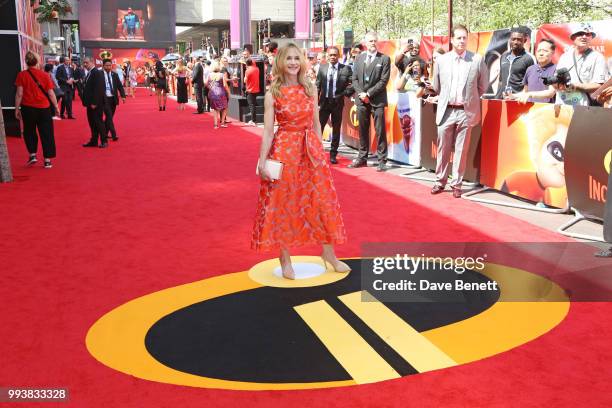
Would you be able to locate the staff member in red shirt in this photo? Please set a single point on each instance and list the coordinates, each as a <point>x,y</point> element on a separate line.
<point>251,81</point>
<point>35,97</point>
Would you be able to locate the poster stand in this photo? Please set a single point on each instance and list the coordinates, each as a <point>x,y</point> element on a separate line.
<point>578,217</point>
<point>533,207</point>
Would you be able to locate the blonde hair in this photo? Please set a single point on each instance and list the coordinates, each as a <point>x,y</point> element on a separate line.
<point>278,71</point>
<point>215,66</point>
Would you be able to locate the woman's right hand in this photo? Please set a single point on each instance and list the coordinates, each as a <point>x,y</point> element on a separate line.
<point>263,173</point>
<point>18,114</point>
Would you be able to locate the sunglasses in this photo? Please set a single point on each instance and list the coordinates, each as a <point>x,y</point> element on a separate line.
<point>582,34</point>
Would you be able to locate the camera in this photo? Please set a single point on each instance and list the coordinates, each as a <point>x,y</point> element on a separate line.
<point>561,76</point>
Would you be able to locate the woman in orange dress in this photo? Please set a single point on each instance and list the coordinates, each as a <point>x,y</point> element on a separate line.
<point>302,206</point>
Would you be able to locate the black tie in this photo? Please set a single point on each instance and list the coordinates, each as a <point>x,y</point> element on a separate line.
<point>330,84</point>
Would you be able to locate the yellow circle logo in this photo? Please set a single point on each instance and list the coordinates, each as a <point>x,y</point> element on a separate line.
<point>106,54</point>
<point>607,160</point>
<point>353,116</point>
<point>241,332</point>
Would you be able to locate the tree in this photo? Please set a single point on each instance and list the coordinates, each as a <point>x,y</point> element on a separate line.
<point>404,18</point>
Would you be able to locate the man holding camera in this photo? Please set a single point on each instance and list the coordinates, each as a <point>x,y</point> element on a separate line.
<point>580,70</point>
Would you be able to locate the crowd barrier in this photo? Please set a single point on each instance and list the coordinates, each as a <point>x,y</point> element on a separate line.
<point>555,155</point>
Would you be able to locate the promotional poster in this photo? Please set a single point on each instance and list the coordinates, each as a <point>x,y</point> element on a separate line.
<point>523,150</point>
<point>589,154</point>
<point>138,58</point>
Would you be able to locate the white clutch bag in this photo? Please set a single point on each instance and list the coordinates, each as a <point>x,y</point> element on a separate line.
<point>273,167</point>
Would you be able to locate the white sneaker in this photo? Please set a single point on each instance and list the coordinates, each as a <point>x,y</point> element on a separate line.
<point>251,123</point>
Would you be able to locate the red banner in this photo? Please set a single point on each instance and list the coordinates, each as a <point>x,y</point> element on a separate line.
<point>560,34</point>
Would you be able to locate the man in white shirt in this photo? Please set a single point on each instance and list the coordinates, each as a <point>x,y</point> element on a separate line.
<point>587,69</point>
<point>460,79</point>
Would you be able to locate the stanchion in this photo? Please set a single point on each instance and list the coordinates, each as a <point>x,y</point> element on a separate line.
<point>6,175</point>
<point>578,217</point>
<point>533,207</point>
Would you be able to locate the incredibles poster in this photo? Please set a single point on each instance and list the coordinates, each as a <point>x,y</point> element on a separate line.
<point>402,118</point>
<point>138,57</point>
<point>587,165</point>
<point>523,150</point>
<point>405,145</point>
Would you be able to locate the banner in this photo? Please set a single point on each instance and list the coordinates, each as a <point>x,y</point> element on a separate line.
<point>302,19</point>
<point>138,57</point>
<point>240,23</point>
<point>587,162</point>
<point>560,34</point>
<point>404,149</point>
<point>490,44</point>
<point>405,145</point>
<point>523,150</point>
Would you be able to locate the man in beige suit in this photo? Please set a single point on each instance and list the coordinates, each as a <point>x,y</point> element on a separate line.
<point>460,79</point>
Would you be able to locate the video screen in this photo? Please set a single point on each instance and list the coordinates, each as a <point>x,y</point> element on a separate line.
<point>137,21</point>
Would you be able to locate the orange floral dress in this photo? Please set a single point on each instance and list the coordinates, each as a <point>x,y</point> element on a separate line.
<point>302,207</point>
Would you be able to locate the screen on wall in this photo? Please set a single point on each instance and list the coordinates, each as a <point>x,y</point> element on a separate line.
<point>128,23</point>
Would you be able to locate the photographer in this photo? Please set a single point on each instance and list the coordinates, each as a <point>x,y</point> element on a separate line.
<point>580,70</point>
<point>415,78</point>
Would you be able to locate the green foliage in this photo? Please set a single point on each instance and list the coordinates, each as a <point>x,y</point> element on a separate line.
<point>405,18</point>
<point>49,10</point>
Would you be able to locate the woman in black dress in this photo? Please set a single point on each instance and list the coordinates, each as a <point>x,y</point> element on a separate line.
<point>181,84</point>
<point>161,85</point>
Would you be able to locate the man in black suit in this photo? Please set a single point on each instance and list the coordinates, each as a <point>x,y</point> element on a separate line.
<point>65,79</point>
<point>93,100</point>
<point>333,84</point>
<point>112,86</point>
<point>197,78</point>
<point>370,77</point>
<point>79,77</point>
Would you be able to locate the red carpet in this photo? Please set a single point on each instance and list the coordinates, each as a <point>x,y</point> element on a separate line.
<point>173,202</point>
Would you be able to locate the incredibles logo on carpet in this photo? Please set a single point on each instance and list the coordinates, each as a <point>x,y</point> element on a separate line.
<point>231,332</point>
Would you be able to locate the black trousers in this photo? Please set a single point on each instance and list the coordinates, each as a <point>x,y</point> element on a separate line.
<point>79,89</point>
<point>608,211</point>
<point>252,102</point>
<point>332,107</point>
<point>109,114</point>
<point>40,119</point>
<point>96,124</point>
<point>364,112</point>
<point>205,99</point>
<point>199,94</point>
<point>67,101</point>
